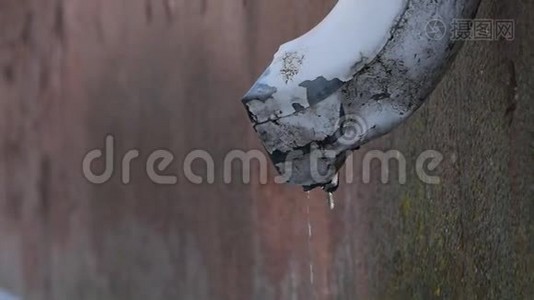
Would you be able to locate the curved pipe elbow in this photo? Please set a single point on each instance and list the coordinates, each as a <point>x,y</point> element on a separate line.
<point>344,84</point>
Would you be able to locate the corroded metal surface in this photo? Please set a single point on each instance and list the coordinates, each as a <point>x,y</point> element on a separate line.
<point>307,126</point>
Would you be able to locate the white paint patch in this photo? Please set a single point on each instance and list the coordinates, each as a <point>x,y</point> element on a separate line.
<point>354,30</point>
<point>350,37</point>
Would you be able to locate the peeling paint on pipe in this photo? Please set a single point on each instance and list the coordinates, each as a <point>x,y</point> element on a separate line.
<point>356,76</point>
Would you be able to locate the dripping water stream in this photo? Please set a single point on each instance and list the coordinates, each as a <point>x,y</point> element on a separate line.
<point>310,236</point>
<point>331,204</point>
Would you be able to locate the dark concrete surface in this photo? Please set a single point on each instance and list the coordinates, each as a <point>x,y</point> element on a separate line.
<point>169,74</point>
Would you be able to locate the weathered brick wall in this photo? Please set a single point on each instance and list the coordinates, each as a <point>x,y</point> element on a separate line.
<point>169,74</point>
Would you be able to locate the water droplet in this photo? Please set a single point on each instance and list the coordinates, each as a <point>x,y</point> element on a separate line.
<point>331,202</point>
<point>310,235</point>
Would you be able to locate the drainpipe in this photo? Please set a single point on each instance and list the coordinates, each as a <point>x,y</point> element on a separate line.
<point>366,68</point>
